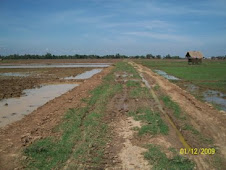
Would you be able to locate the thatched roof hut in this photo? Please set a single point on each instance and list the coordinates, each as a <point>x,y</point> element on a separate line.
<point>194,54</point>
<point>194,57</point>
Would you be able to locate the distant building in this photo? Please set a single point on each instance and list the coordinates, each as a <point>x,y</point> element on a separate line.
<point>194,57</point>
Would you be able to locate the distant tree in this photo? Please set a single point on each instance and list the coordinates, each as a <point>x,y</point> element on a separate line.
<point>168,56</point>
<point>158,56</point>
<point>48,56</point>
<point>150,56</point>
<point>175,57</point>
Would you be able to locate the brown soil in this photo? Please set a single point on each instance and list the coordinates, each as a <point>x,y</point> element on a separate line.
<point>14,86</point>
<point>41,122</point>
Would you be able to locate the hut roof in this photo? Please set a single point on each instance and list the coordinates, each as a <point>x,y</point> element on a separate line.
<point>194,54</point>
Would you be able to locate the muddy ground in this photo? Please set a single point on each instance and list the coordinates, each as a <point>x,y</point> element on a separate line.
<point>126,148</point>
<point>14,86</point>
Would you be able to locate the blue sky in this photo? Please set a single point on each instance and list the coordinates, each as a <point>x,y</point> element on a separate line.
<point>130,27</point>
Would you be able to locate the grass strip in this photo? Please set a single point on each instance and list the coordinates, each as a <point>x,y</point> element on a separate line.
<point>125,67</point>
<point>172,105</point>
<point>153,122</point>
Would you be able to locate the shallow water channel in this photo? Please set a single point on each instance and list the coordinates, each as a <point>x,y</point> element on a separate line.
<point>210,96</point>
<point>14,109</point>
<point>16,74</point>
<point>85,75</point>
<point>216,97</point>
<point>164,74</point>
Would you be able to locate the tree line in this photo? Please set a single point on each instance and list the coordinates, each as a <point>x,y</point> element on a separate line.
<point>79,56</point>
<point>218,57</point>
<point>92,56</point>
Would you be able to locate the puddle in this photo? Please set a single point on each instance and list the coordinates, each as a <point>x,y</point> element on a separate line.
<point>17,108</point>
<point>124,75</point>
<point>210,96</point>
<point>85,75</point>
<point>191,87</point>
<point>164,74</point>
<point>16,74</point>
<point>216,97</point>
<point>145,81</point>
<point>71,65</point>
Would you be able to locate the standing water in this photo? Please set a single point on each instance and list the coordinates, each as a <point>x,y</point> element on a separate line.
<point>216,97</point>
<point>14,109</point>
<point>17,74</point>
<point>85,75</point>
<point>164,74</point>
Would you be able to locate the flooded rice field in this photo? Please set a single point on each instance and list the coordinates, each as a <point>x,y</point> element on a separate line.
<point>15,74</point>
<point>85,75</point>
<point>24,88</point>
<point>211,96</point>
<point>215,97</point>
<point>14,109</point>
<point>13,86</point>
<point>164,74</point>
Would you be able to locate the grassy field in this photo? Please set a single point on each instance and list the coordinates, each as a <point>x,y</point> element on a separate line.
<point>208,75</point>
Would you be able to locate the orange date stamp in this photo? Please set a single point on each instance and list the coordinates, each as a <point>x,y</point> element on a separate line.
<point>197,151</point>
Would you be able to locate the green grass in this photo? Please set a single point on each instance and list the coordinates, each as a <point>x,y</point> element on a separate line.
<point>173,106</point>
<point>191,128</point>
<point>139,92</point>
<point>156,87</point>
<point>159,160</point>
<point>125,67</point>
<point>132,83</point>
<point>210,74</point>
<point>153,123</point>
